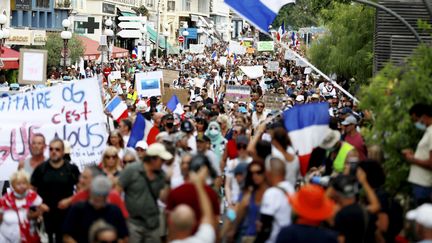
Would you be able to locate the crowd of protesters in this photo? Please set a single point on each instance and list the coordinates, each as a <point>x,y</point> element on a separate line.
<point>223,171</point>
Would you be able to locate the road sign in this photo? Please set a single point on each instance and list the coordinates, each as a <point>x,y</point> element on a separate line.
<point>132,18</point>
<point>130,25</point>
<point>136,34</point>
<point>181,39</point>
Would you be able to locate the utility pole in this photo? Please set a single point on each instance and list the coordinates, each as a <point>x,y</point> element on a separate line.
<point>157,29</point>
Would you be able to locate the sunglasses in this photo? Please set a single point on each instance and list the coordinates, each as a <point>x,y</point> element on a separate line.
<point>110,156</point>
<point>260,106</point>
<point>242,105</point>
<point>128,161</point>
<point>54,149</point>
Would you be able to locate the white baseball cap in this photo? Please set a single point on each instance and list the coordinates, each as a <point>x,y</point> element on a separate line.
<point>421,215</point>
<point>159,150</point>
<point>142,144</point>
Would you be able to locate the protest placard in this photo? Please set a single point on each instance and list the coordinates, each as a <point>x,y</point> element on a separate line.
<point>265,46</point>
<point>149,84</point>
<point>307,70</point>
<point>115,75</point>
<point>169,75</point>
<point>182,95</point>
<point>274,101</point>
<point>33,66</point>
<point>252,71</point>
<point>289,55</point>
<point>196,48</point>
<point>70,112</point>
<point>223,60</point>
<point>236,48</point>
<point>238,93</point>
<point>273,66</point>
<point>300,63</point>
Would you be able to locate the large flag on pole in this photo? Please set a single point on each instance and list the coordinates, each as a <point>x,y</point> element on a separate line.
<point>281,31</point>
<point>138,131</point>
<point>261,13</point>
<point>307,126</point>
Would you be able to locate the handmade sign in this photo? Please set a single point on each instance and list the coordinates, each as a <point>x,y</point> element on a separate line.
<point>182,95</point>
<point>169,76</point>
<point>273,66</point>
<point>115,75</point>
<point>149,84</point>
<point>237,93</point>
<point>274,101</point>
<point>196,48</point>
<point>252,71</point>
<point>265,46</point>
<point>33,66</point>
<point>289,55</point>
<point>70,112</point>
<point>236,48</point>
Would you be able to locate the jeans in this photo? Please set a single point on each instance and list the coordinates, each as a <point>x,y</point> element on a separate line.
<point>421,194</point>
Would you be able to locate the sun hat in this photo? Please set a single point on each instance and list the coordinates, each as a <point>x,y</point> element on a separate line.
<point>331,139</point>
<point>159,150</point>
<point>421,215</point>
<point>310,202</point>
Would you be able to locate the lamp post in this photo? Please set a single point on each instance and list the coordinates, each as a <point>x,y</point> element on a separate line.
<point>166,35</point>
<point>4,33</point>
<point>66,35</point>
<point>109,34</point>
<point>185,34</point>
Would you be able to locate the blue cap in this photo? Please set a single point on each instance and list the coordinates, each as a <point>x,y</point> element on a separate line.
<point>242,109</point>
<point>346,110</point>
<point>240,169</point>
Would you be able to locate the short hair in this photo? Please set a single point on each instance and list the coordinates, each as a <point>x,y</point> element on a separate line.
<point>40,135</point>
<point>100,186</point>
<point>275,165</point>
<point>95,170</point>
<point>127,123</point>
<point>204,89</point>
<point>420,109</point>
<point>58,140</point>
<point>98,227</point>
<point>20,175</point>
<point>260,101</point>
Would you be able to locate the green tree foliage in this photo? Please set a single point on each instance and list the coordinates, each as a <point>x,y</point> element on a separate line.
<point>347,47</point>
<point>389,96</point>
<point>54,45</point>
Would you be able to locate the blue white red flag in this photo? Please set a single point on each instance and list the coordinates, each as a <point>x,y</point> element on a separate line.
<point>175,106</point>
<point>214,56</point>
<point>135,53</point>
<point>118,109</point>
<point>307,126</point>
<point>138,131</point>
<point>260,13</point>
<point>281,31</point>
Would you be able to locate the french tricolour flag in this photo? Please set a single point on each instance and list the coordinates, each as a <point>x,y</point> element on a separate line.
<point>281,32</point>
<point>307,126</point>
<point>214,56</point>
<point>117,108</point>
<point>137,131</point>
<point>260,13</point>
<point>175,106</point>
<point>135,53</point>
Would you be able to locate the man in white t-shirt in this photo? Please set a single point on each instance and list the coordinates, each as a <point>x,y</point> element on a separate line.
<point>182,218</point>
<point>275,209</point>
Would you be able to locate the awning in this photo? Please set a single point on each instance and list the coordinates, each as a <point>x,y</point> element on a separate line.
<point>153,34</point>
<point>9,58</point>
<point>91,52</point>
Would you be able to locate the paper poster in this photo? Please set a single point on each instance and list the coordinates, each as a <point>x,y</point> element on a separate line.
<point>182,95</point>
<point>169,76</point>
<point>196,49</point>
<point>300,63</point>
<point>265,46</point>
<point>70,112</point>
<point>33,66</point>
<point>253,71</point>
<point>289,55</point>
<point>236,48</point>
<point>237,93</point>
<point>148,84</point>
<point>115,75</point>
<point>274,101</point>
<point>273,66</point>
<point>307,70</point>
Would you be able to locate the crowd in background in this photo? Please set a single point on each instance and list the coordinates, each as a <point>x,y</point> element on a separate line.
<point>223,171</point>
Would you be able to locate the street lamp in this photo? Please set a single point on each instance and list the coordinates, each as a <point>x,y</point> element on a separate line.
<point>66,35</point>
<point>185,34</point>
<point>4,32</point>
<point>109,34</point>
<point>166,35</point>
<point>143,31</point>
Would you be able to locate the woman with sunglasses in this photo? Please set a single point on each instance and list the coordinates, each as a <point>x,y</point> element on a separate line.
<point>111,163</point>
<point>247,211</point>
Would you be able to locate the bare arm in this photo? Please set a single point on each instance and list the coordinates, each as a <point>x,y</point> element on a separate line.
<point>68,239</point>
<point>374,205</point>
<point>205,204</point>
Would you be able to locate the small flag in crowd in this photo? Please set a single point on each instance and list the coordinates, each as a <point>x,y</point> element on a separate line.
<point>294,38</point>
<point>307,126</point>
<point>137,132</point>
<point>260,13</point>
<point>235,58</point>
<point>281,31</point>
<point>214,56</point>
<point>175,106</point>
<point>135,53</point>
<point>117,108</point>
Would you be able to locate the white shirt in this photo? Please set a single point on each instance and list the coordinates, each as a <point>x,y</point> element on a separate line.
<point>257,120</point>
<point>205,234</point>
<point>292,168</point>
<point>275,203</point>
<point>419,175</point>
